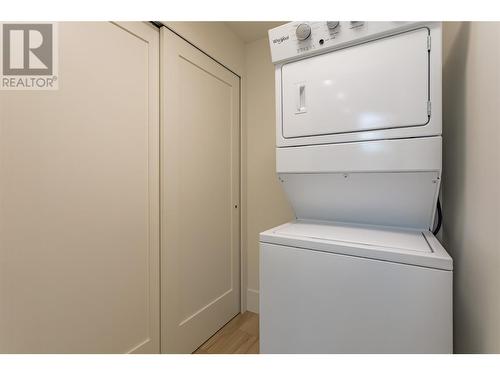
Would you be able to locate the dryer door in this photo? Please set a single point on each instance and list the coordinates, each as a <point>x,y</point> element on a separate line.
<point>381,84</point>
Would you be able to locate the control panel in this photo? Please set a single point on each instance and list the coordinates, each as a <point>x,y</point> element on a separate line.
<point>298,39</point>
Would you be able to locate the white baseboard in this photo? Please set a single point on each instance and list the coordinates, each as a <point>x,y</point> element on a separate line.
<point>253,300</point>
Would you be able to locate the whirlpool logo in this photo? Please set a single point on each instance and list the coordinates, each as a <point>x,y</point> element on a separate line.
<point>29,56</point>
<point>281,40</point>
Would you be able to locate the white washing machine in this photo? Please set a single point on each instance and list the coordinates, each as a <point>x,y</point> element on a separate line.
<point>358,152</point>
<point>334,288</point>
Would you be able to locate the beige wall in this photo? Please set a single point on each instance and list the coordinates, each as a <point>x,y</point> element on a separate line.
<point>471,225</point>
<point>267,205</point>
<point>216,40</point>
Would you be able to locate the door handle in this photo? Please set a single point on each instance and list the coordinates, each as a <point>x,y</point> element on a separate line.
<point>301,98</point>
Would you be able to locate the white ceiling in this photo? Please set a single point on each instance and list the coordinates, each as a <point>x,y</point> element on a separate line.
<point>252,31</point>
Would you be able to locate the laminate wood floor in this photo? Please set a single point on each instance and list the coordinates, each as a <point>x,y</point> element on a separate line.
<point>239,336</point>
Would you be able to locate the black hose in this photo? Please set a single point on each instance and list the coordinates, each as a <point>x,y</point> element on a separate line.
<point>440,218</point>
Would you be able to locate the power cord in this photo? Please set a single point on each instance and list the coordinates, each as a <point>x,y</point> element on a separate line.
<point>440,218</point>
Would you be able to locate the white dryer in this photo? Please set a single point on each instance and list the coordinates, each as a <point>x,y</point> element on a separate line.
<point>358,152</point>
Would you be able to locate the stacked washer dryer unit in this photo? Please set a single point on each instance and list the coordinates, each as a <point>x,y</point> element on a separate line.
<point>358,152</point>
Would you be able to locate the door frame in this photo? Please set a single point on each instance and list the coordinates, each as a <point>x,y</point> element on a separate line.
<point>242,167</point>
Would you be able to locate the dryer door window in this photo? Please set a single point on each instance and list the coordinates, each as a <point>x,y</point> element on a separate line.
<point>380,84</point>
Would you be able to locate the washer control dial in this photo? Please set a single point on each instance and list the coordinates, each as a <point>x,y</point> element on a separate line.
<point>303,31</point>
<point>332,24</point>
<point>357,23</point>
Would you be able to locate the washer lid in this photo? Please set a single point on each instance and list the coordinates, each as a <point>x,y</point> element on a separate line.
<point>389,244</point>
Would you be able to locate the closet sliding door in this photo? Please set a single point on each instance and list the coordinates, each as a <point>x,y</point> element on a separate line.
<point>200,184</point>
<point>79,216</point>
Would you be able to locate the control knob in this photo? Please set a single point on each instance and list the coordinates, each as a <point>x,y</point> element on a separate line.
<point>303,31</point>
<point>357,23</point>
<point>332,24</point>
